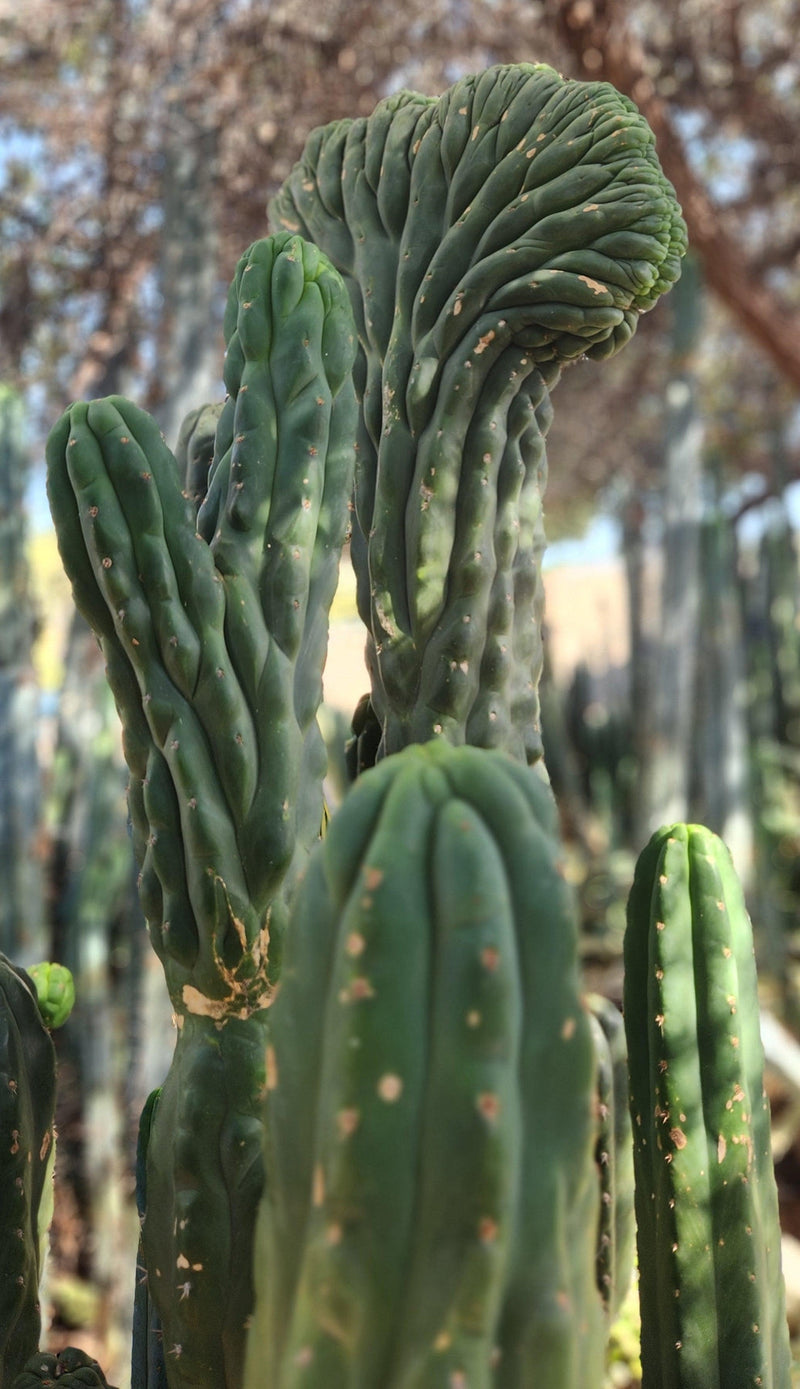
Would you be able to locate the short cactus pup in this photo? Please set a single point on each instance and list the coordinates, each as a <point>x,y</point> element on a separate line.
<point>711,1288</point>
<point>213,623</point>
<point>487,238</point>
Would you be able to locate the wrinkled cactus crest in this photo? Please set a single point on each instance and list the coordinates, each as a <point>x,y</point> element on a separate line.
<point>487,237</point>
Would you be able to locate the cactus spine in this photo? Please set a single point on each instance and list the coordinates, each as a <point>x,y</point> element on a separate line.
<point>428,1214</point>
<point>711,1289</point>
<point>487,237</point>
<point>211,606</point>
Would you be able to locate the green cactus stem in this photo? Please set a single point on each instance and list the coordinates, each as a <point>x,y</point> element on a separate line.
<point>27,1150</point>
<point>430,1200</point>
<point>613,1155</point>
<point>214,630</point>
<point>194,450</point>
<point>211,606</point>
<point>711,1288</point>
<point>487,238</point>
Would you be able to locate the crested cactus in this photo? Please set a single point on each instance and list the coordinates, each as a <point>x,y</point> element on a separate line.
<point>428,1213</point>
<point>428,1068</point>
<point>711,1289</point>
<point>27,1149</point>
<point>487,238</point>
<point>212,611</point>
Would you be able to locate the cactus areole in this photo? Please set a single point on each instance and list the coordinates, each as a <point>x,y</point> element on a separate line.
<point>487,237</point>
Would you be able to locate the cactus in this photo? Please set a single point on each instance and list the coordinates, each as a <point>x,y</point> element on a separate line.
<point>27,1148</point>
<point>428,1210</point>
<point>613,1155</point>
<point>487,237</point>
<point>213,623</point>
<point>711,1289</point>
<point>69,1369</point>
<point>214,633</point>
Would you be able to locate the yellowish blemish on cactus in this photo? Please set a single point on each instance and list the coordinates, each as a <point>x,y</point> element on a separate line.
<point>357,990</point>
<point>443,1341</point>
<point>488,1104</point>
<point>318,1186</point>
<point>594,285</point>
<point>347,1121</point>
<point>355,944</point>
<point>390,1088</point>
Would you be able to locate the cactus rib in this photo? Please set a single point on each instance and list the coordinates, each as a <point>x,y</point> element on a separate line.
<point>711,1289</point>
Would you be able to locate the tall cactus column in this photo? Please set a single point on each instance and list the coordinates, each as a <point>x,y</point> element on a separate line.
<point>711,1289</point>
<point>487,238</point>
<point>213,623</point>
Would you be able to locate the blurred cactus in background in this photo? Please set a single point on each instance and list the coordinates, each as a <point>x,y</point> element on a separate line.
<point>22,925</point>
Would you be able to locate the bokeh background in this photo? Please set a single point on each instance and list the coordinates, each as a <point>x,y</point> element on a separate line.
<point>140,141</point>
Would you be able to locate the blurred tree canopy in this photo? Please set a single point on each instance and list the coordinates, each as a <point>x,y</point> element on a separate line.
<point>140,141</point>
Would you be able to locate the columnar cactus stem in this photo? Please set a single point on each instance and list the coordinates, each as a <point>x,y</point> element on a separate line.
<point>430,1205</point>
<point>614,1155</point>
<point>210,596</point>
<point>487,237</point>
<point>711,1289</point>
<point>215,637</point>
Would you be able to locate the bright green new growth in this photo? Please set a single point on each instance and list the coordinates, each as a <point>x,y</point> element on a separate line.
<point>27,1150</point>
<point>430,1201</point>
<point>711,1289</point>
<point>215,629</point>
<point>55,992</point>
<point>487,237</point>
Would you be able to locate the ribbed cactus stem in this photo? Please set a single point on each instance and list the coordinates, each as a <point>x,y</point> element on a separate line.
<point>215,637</point>
<point>209,586</point>
<point>711,1288</point>
<point>487,237</point>
<point>430,1202</point>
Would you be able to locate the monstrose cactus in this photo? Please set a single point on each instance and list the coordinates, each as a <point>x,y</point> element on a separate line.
<point>212,614</point>
<point>392,1150</point>
<point>487,238</point>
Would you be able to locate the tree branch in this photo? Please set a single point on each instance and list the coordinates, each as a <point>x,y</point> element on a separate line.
<point>605,48</point>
